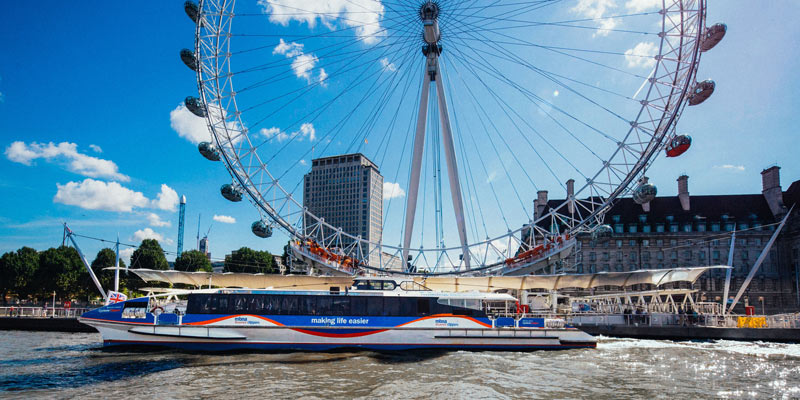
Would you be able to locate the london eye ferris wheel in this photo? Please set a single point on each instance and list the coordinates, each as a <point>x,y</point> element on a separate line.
<point>471,110</point>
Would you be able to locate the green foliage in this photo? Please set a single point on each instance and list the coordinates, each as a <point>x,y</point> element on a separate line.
<point>250,261</point>
<point>149,255</point>
<point>105,258</point>
<point>59,271</point>
<point>17,270</point>
<point>193,260</point>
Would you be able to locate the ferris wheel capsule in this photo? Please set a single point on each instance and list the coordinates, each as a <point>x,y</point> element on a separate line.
<point>188,58</point>
<point>602,233</point>
<point>195,106</point>
<point>701,92</point>
<point>192,10</point>
<point>645,192</point>
<point>231,193</point>
<point>209,151</point>
<point>713,35</point>
<point>261,229</point>
<point>678,145</point>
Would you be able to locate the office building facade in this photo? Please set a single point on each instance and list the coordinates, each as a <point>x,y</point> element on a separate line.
<point>347,191</point>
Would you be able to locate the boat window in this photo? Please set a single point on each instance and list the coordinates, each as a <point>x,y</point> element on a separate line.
<point>375,306</point>
<point>391,306</point>
<point>412,286</point>
<point>340,306</point>
<point>358,305</point>
<point>389,285</point>
<point>134,310</point>
<point>240,303</point>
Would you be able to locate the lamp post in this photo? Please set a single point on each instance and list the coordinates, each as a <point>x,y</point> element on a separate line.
<point>761,299</point>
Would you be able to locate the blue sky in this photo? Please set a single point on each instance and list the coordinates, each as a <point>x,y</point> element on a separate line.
<point>105,80</point>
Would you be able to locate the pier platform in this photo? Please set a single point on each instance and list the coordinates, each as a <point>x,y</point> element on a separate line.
<point>784,335</point>
<point>43,324</point>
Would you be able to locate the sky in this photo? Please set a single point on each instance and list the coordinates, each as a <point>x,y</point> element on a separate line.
<point>93,132</point>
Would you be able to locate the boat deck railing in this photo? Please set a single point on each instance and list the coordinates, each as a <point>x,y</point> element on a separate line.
<point>41,312</point>
<point>785,321</point>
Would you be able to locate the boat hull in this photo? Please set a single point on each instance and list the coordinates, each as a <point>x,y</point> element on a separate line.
<point>458,333</point>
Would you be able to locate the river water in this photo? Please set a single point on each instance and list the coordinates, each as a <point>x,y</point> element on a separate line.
<point>70,365</point>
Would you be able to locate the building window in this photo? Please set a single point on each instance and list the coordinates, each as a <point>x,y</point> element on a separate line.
<point>673,228</point>
<point>660,255</point>
<point>592,256</point>
<point>619,243</point>
<point>646,228</point>
<point>701,255</point>
<point>673,242</point>
<point>633,256</point>
<point>618,267</point>
<point>701,227</point>
<point>687,254</point>
<point>673,255</point>
<point>645,243</point>
<point>605,256</point>
<point>687,228</point>
<point>715,227</point>
<point>619,228</point>
<point>606,268</point>
<point>615,218</point>
<point>632,228</point>
<point>728,226</point>
<point>715,255</point>
<point>659,243</point>
<point>745,255</point>
<point>619,256</point>
<point>646,256</point>
<point>659,228</point>
<point>632,243</point>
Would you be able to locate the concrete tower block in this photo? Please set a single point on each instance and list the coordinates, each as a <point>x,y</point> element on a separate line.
<point>570,193</point>
<point>771,189</point>
<point>683,191</point>
<point>540,202</point>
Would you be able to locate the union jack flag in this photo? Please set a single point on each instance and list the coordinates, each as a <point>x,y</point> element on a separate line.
<point>116,297</point>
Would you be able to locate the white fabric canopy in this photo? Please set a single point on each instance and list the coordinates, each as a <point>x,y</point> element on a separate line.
<point>242,280</point>
<point>443,283</point>
<point>564,281</point>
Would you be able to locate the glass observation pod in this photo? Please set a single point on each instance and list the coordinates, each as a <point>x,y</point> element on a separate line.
<point>230,192</point>
<point>195,106</point>
<point>602,233</point>
<point>192,10</point>
<point>261,229</point>
<point>188,58</point>
<point>701,92</point>
<point>713,35</point>
<point>209,151</point>
<point>645,192</point>
<point>678,145</point>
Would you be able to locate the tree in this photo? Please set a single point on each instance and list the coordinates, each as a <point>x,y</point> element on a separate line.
<point>59,271</point>
<point>17,270</point>
<point>193,260</point>
<point>249,260</point>
<point>149,255</point>
<point>105,258</point>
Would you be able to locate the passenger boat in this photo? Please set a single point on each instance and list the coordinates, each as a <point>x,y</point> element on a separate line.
<point>384,314</point>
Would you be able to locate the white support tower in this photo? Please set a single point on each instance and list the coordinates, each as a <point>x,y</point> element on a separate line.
<point>429,12</point>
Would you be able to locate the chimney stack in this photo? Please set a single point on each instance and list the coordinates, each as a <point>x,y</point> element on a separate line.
<point>771,189</point>
<point>540,204</point>
<point>683,191</point>
<point>570,194</point>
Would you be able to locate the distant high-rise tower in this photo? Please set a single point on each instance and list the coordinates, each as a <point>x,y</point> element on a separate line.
<point>181,218</point>
<point>347,191</point>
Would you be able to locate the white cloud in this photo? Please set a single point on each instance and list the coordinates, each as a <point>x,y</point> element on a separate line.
<point>387,66</point>
<point>323,77</point>
<point>95,148</point>
<point>731,167</point>
<point>154,220</point>
<point>642,55</point>
<point>392,190</point>
<point>147,233</point>
<point>68,154</point>
<point>98,195</point>
<point>291,49</point>
<point>126,254</point>
<point>492,176</point>
<point>302,64</point>
<point>362,15</point>
<point>638,6</point>
<point>225,219</point>
<point>188,125</point>
<point>167,199</point>
<point>308,131</point>
<point>555,93</point>
<point>303,162</point>
<point>92,194</point>
<point>596,9</point>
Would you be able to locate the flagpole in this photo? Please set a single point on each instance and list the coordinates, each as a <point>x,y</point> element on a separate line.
<point>116,268</point>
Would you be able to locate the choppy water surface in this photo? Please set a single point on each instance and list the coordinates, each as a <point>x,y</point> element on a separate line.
<point>65,365</point>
